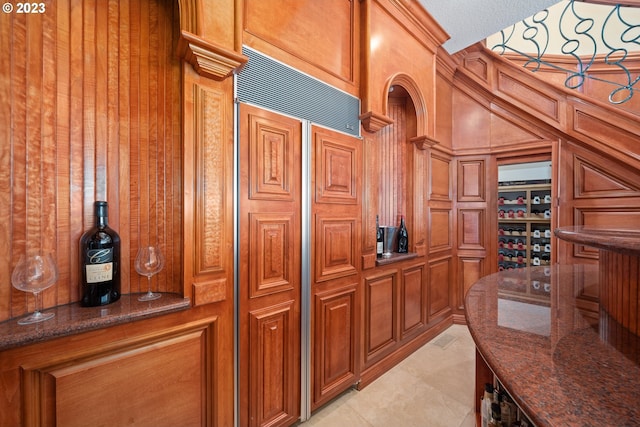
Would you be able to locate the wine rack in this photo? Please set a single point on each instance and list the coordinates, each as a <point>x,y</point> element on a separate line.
<point>524,225</point>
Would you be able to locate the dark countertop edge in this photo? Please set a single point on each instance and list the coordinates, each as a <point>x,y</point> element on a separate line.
<point>396,257</point>
<point>624,241</point>
<point>72,319</point>
<point>495,367</point>
<point>520,393</point>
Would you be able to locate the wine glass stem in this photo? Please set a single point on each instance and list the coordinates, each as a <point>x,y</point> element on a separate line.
<point>36,296</point>
<point>149,278</point>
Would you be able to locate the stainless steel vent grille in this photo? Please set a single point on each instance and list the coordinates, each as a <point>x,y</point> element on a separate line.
<point>273,85</point>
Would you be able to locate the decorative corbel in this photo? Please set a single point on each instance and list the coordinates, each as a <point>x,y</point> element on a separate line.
<point>423,142</point>
<point>373,122</point>
<point>208,59</point>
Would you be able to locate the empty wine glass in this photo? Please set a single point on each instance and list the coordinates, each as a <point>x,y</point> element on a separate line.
<point>34,274</point>
<point>149,261</point>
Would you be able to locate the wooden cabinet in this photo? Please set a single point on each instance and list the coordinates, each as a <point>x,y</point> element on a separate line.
<point>400,313</point>
<point>336,211</point>
<point>524,225</point>
<point>270,271</point>
<point>166,368</point>
<point>335,338</point>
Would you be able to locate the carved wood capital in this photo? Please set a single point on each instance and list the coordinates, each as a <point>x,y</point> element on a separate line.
<point>208,59</point>
<point>373,122</point>
<point>423,142</point>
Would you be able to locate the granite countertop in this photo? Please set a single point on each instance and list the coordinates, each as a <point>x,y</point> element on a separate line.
<point>73,319</point>
<point>626,241</point>
<point>562,366</point>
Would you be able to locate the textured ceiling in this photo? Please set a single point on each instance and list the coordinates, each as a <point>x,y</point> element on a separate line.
<point>469,21</point>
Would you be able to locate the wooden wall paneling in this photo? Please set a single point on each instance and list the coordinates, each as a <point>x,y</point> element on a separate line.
<point>440,221</point>
<point>86,392</point>
<point>335,355</point>
<point>380,315</point>
<point>592,89</point>
<point>274,386</point>
<point>596,191</point>
<point>208,160</point>
<point>440,276</point>
<point>417,200</point>
<point>440,177</point>
<point>390,24</point>
<point>337,163</point>
<point>472,223</point>
<point>336,254</point>
<point>87,123</point>
<point>335,248</point>
<point>290,34</point>
<point>471,229</point>
<point>370,187</point>
<point>393,153</point>
<point>413,300</point>
<point>441,226</point>
<point>270,273</point>
<point>533,97</point>
<point>272,237</point>
<point>166,366</point>
<point>207,221</point>
<point>470,270</point>
<point>444,100</point>
<point>476,133</point>
<point>471,180</point>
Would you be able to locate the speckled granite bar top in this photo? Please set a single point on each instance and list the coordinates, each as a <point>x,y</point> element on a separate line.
<point>73,319</point>
<point>625,241</point>
<point>558,363</point>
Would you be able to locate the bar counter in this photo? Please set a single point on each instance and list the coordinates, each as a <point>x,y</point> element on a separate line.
<point>562,366</point>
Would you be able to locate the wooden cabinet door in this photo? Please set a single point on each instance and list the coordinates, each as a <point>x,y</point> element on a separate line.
<point>335,253</point>
<point>269,268</point>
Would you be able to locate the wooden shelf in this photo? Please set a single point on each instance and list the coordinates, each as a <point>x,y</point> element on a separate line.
<point>396,257</point>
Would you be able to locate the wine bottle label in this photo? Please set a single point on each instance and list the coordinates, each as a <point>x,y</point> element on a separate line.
<point>380,247</point>
<point>99,265</point>
<point>97,273</point>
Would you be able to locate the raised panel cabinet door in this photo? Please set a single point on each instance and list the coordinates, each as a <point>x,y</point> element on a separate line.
<point>335,342</point>
<point>336,207</point>
<point>163,376</point>
<point>380,326</point>
<point>440,272</point>
<point>413,302</point>
<point>269,275</point>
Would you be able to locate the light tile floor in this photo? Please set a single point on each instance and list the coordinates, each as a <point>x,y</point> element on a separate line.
<point>433,387</point>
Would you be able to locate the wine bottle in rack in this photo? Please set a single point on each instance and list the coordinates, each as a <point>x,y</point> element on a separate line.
<point>100,261</point>
<point>379,239</point>
<point>403,237</point>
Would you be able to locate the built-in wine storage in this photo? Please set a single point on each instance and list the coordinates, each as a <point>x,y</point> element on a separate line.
<point>524,225</point>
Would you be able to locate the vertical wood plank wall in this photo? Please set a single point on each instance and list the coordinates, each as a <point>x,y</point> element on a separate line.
<point>90,111</point>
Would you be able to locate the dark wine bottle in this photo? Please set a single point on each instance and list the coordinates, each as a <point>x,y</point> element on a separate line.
<point>100,261</point>
<point>403,237</point>
<point>379,239</point>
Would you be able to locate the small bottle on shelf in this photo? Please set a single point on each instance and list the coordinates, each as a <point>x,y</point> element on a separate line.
<point>403,237</point>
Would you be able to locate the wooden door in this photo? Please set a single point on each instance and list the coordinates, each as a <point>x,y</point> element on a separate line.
<point>335,253</point>
<point>269,267</point>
